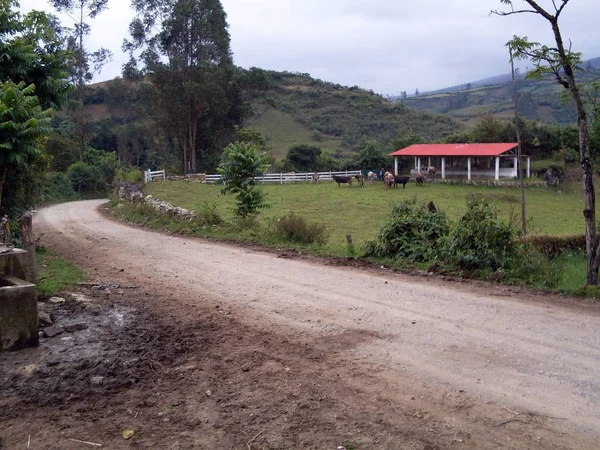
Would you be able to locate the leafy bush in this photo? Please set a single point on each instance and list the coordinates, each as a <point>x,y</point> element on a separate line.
<point>553,246</point>
<point>129,174</point>
<point>412,232</point>
<point>479,240</point>
<point>207,214</point>
<point>57,188</point>
<point>295,228</point>
<point>106,164</point>
<point>239,167</point>
<point>84,177</point>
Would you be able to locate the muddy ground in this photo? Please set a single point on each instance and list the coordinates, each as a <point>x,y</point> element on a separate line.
<point>185,368</point>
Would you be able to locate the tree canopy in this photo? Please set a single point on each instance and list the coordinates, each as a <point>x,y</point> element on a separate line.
<point>184,48</point>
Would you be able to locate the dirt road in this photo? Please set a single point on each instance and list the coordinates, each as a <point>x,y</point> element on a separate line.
<point>392,361</point>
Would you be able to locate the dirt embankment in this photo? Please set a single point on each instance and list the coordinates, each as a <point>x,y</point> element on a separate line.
<point>224,347</point>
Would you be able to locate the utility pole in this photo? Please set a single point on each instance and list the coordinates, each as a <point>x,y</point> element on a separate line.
<point>519,152</point>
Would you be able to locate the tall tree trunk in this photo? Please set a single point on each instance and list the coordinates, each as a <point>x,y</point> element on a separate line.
<point>519,148</point>
<point>589,212</point>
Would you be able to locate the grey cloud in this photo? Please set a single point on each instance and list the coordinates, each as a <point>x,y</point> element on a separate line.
<point>384,45</point>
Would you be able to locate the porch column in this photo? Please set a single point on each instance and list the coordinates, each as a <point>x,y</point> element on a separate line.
<point>429,162</point>
<point>469,168</point>
<point>443,168</point>
<point>516,167</point>
<point>528,167</point>
<point>419,164</point>
<point>497,177</point>
<point>415,162</point>
<point>395,165</point>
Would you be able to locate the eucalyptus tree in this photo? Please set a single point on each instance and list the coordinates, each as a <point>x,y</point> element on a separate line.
<point>560,61</point>
<point>184,47</point>
<point>86,63</point>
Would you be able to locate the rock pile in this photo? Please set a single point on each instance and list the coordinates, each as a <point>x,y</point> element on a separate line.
<point>162,207</point>
<point>130,192</point>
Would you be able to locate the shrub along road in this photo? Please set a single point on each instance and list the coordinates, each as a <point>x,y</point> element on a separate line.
<point>326,355</point>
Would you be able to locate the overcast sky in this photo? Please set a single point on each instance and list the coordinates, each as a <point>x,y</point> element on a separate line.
<point>388,46</point>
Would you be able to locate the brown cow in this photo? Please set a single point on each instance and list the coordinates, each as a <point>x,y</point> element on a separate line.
<point>431,171</point>
<point>361,180</point>
<point>342,179</point>
<point>419,178</point>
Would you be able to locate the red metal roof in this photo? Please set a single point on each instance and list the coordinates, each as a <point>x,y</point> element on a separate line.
<point>455,149</point>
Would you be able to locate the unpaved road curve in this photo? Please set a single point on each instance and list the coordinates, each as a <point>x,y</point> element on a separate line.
<point>534,357</point>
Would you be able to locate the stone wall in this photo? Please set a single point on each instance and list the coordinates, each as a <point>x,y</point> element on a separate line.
<point>131,193</point>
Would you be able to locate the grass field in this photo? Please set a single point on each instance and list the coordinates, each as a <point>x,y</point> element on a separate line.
<point>361,212</point>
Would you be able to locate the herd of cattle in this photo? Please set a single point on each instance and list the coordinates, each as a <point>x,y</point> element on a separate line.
<point>389,179</point>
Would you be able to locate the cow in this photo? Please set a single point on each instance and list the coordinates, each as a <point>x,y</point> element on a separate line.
<point>388,180</point>
<point>342,179</point>
<point>371,176</point>
<point>419,178</point>
<point>361,180</point>
<point>431,171</point>
<point>315,177</point>
<point>401,180</point>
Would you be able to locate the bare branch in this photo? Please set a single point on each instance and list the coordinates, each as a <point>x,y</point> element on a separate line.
<point>564,3</point>
<point>495,12</point>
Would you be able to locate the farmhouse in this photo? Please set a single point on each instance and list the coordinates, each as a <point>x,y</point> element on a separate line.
<point>465,160</point>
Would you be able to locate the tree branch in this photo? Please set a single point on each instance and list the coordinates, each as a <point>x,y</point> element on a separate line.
<point>510,13</point>
<point>561,8</point>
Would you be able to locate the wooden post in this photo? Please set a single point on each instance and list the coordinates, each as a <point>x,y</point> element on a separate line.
<point>26,231</point>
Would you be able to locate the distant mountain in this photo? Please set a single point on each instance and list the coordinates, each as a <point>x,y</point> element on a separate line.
<point>541,100</point>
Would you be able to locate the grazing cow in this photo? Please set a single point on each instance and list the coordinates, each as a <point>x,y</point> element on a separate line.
<point>388,180</point>
<point>315,177</point>
<point>419,178</point>
<point>431,171</point>
<point>342,179</point>
<point>401,180</point>
<point>361,180</point>
<point>371,176</point>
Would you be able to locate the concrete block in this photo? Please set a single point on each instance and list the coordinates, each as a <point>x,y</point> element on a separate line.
<point>19,324</point>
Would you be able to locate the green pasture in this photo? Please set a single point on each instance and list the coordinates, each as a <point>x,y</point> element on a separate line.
<point>361,212</point>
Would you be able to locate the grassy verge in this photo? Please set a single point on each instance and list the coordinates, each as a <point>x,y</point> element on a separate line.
<point>56,273</point>
<point>362,212</point>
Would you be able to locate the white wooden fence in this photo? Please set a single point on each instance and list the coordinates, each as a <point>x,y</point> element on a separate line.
<point>290,177</point>
<point>156,175</point>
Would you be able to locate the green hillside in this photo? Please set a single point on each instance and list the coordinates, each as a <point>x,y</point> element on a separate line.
<point>542,100</point>
<point>298,108</point>
<point>281,131</point>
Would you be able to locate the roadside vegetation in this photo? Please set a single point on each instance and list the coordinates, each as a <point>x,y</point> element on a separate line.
<point>471,234</point>
<point>56,273</point>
